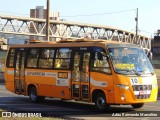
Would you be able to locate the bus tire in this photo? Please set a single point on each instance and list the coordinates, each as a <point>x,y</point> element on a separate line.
<point>137,105</point>
<point>33,95</point>
<point>101,103</point>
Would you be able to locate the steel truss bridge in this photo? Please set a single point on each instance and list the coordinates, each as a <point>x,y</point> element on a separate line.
<point>62,29</point>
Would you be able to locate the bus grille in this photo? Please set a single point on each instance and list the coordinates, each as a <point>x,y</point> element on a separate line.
<point>145,96</point>
<point>138,89</point>
<point>141,87</point>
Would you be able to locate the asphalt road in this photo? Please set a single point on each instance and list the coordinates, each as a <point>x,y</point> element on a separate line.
<point>71,109</point>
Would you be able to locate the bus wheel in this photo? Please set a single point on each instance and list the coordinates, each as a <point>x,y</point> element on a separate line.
<point>100,102</point>
<point>138,105</point>
<point>33,95</point>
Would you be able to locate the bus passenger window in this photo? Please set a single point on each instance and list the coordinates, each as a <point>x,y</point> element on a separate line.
<point>46,58</point>
<point>33,58</point>
<point>11,58</point>
<point>62,60</point>
<point>58,63</point>
<point>100,63</point>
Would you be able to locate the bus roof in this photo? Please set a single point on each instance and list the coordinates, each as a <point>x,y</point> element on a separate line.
<point>76,43</point>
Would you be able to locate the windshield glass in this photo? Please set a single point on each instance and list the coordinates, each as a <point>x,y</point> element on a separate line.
<point>130,61</point>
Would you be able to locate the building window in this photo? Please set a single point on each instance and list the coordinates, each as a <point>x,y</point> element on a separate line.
<point>62,60</point>
<point>156,52</point>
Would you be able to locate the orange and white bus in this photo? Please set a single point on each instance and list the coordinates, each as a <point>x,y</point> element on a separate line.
<point>103,72</point>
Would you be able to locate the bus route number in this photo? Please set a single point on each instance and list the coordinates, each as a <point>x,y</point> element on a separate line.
<point>134,81</point>
<point>63,75</point>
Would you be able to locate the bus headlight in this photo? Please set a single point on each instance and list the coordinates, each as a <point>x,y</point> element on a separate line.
<point>155,86</point>
<point>126,87</point>
<point>123,97</point>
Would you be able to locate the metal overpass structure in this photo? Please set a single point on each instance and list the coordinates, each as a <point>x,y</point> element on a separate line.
<point>64,29</point>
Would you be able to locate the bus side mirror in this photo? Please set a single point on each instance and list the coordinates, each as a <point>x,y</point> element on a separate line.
<point>105,55</point>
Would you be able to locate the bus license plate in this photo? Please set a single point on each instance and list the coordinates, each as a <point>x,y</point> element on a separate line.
<point>142,92</point>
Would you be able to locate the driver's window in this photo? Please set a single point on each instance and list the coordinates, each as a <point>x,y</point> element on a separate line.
<point>100,63</point>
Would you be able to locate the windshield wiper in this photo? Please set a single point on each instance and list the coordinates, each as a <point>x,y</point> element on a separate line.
<point>137,72</point>
<point>134,71</point>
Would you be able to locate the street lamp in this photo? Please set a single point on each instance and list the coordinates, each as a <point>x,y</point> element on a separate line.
<point>48,20</point>
<point>136,19</point>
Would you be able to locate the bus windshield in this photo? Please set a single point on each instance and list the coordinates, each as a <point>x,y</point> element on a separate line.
<point>130,61</point>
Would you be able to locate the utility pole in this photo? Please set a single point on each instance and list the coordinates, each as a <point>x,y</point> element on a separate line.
<point>136,19</point>
<point>48,20</point>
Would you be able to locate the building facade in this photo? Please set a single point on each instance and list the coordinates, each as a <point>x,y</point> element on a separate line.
<point>41,12</point>
<point>155,48</point>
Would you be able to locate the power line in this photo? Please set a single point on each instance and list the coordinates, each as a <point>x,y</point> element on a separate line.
<point>145,31</point>
<point>87,15</point>
<point>98,14</point>
<point>12,13</point>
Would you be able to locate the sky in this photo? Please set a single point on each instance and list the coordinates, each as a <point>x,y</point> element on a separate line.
<point>115,13</point>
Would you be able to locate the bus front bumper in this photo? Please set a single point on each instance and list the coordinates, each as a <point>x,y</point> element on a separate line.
<point>123,96</point>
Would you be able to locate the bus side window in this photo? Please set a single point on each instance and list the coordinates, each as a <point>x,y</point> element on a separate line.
<point>33,58</point>
<point>100,63</point>
<point>62,60</point>
<point>46,58</point>
<point>11,58</point>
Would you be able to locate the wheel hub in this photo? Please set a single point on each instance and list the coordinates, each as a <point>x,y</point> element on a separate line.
<point>101,101</point>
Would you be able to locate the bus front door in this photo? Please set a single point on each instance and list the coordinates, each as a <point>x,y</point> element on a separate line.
<point>19,73</point>
<point>80,76</point>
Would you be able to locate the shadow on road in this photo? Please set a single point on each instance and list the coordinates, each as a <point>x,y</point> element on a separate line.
<point>57,108</point>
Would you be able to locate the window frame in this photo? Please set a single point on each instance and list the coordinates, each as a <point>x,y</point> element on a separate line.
<point>52,58</point>
<point>69,58</point>
<point>93,60</point>
<point>9,58</point>
<point>28,53</point>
